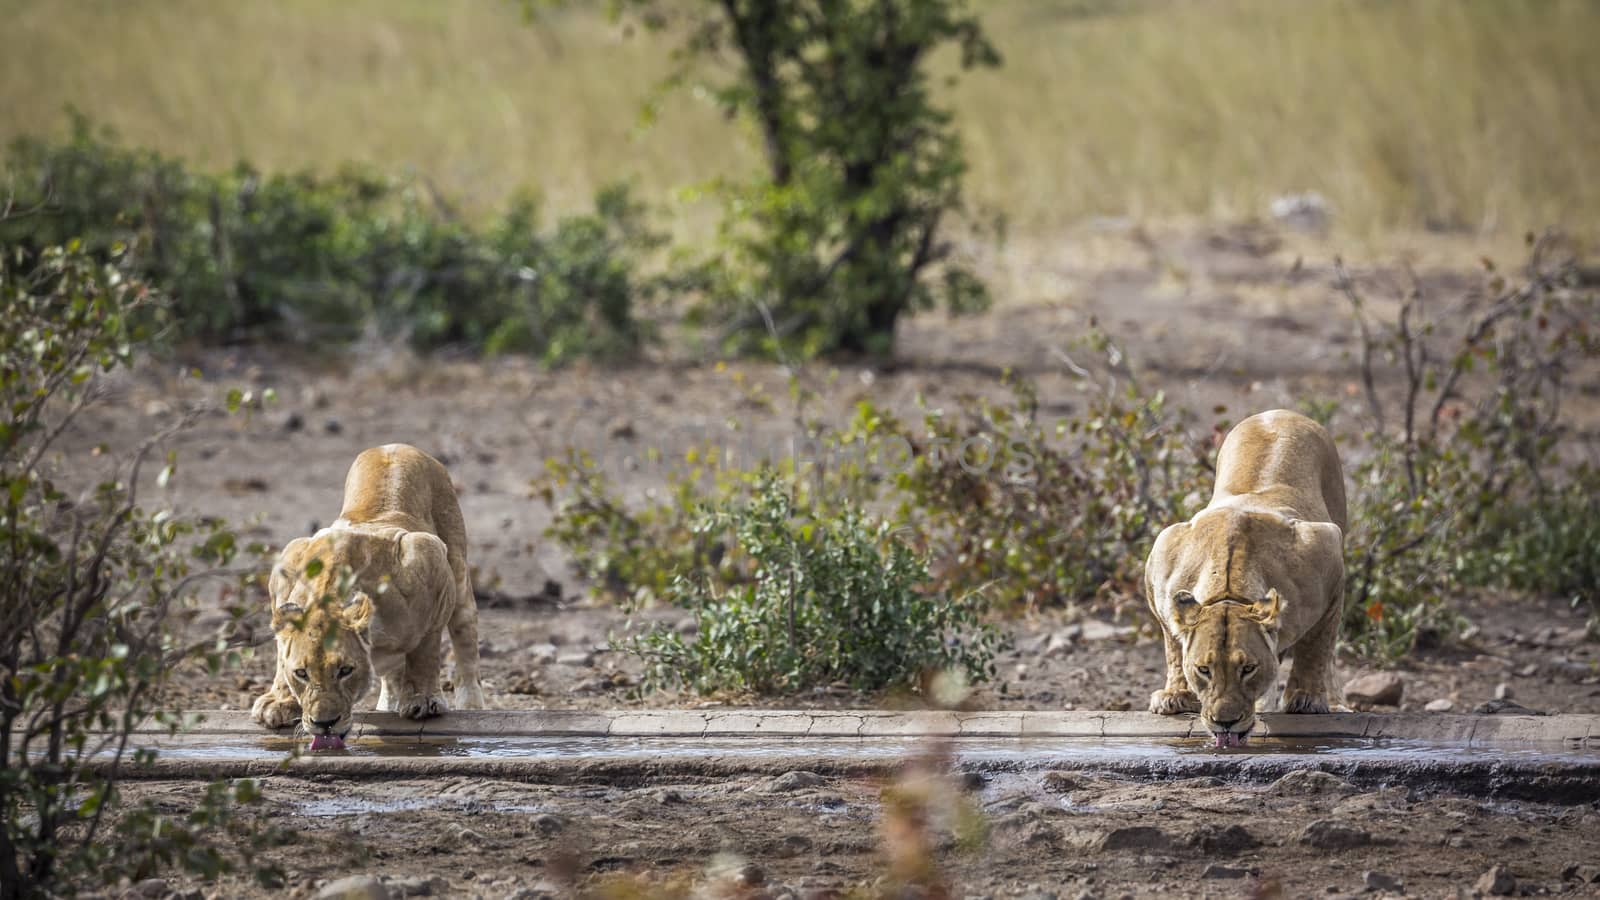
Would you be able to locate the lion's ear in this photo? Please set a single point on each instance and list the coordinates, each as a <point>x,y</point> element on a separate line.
<point>1267,608</point>
<point>1186,609</point>
<point>285,615</point>
<point>358,612</point>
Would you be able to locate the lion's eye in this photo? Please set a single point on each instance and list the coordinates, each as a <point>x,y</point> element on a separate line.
<point>1204,671</point>
<point>1247,671</point>
<point>300,674</point>
<point>346,671</point>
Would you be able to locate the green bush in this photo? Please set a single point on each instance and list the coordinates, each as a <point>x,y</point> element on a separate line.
<point>1460,484</point>
<point>89,584</point>
<point>248,256</point>
<point>1053,515</point>
<point>828,599</point>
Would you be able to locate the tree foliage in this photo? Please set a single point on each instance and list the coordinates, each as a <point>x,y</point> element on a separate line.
<point>846,228</point>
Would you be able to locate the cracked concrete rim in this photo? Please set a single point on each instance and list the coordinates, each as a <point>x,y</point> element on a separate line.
<point>1572,731</point>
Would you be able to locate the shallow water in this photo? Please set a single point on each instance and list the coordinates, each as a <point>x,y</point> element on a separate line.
<point>989,750</point>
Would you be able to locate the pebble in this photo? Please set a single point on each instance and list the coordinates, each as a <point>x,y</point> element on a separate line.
<point>1503,691</point>
<point>1060,643</point>
<point>1326,834</point>
<point>1497,881</point>
<point>543,654</point>
<point>1135,837</point>
<point>412,886</point>
<point>1441,705</point>
<point>1223,840</point>
<point>1375,688</point>
<point>1096,630</point>
<point>333,426</point>
<point>1311,783</point>
<point>354,887</point>
<point>549,824</point>
<point>1505,708</point>
<point>1217,870</point>
<point>792,781</point>
<point>575,658</point>
<point>150,887</point>
<point>293,422</point>
<point>1582,873</point>
<point>1379,881</point>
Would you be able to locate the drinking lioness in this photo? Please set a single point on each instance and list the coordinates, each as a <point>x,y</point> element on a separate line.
<point>1258,572</point>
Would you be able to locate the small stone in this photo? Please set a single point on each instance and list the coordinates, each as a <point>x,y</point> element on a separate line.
<point>1061,782</point>
<point>151,887</point>
<point>1581,873</point>
<point>543,654</point>
<point>751,875</point>
<point>1503,691</point>
<point>333,426</point>
<point>1505,708</point>
<point>1326,834</point>
<point>1223,840</point>
<point>621,429</point>
<point>418,887</point>
<point>575,658</point>
<point>1441,705</point>
<point>1060,643</point>
<point>1375,689</point>
<point>1379,881</point>
<point>1529,670</point>
<point>792,781</point>
<point>1096,630</point>
<point>293,422</point>
<point>667,797</point>
<point>354,887</point>
<point>1217,870</point>
<point>1311,783</point>
<point>549,824</point>
<point>1497,881</point>
<point>1135,837</point>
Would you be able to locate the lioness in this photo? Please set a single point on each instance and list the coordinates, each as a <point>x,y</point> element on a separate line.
<point>1260,570</point>
<point>402,536</point>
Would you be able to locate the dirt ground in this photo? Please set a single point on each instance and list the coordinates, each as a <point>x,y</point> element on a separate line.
<point>1241,317</point>
<point>801,835</point>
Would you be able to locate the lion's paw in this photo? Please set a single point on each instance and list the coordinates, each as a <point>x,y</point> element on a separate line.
<point>469,696</point>
<point>1306,702</point>
<point>421,706</point>
<point>275,710</point>
<point>1170,703</point>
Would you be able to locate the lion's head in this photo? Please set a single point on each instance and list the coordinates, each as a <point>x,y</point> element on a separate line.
<point>323,653</point>
<point>1230,658</point>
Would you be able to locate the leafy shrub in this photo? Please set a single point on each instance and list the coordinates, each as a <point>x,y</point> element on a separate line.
<point>247,255</point>
<point>1467,488</point>
<point>89,583</point>
<point>1051,516</point>
<point>829,599</point>
<point>845,230</point>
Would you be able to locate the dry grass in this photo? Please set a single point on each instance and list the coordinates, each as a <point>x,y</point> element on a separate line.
<point>1478,115</point>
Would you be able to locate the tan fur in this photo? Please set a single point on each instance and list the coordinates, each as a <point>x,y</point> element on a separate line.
<point>1258,572</point>
<point>393,579</point>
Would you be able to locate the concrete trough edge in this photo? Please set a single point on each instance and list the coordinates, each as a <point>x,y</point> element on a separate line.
<point>1572,730</point>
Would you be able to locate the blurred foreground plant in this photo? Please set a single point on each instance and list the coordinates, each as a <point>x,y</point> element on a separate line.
<point>89,586</point>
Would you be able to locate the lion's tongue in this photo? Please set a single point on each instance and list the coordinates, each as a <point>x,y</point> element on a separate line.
<point>327,742</point>
<point>1228,739</point>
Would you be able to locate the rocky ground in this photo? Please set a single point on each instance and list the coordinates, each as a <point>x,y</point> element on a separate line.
<point>801,835</point>
<point>1243,318</point>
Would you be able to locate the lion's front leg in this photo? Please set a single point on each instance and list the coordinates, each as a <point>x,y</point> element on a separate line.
<point>277,708</point>
<point>1175,697</point>
<point>1311,678</point>
<point>419,695</point>
<point>464,643</point>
